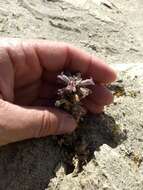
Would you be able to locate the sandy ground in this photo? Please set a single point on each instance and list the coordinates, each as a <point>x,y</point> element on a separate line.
<point>112,30</point>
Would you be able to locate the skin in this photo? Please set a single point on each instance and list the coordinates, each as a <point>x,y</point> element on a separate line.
<point>28,70</point>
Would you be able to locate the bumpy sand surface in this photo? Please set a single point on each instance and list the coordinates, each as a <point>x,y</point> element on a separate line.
<point>112,30</point>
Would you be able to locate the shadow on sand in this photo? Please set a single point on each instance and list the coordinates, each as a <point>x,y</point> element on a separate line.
<point>81,145</point>
<point>31,164</point>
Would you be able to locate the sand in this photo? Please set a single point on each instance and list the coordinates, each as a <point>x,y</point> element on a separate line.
<point>113,31</point>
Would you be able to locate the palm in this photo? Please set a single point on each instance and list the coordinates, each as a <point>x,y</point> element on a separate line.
<point>38,93</point>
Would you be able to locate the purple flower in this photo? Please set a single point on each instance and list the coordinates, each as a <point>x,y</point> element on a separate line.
<point>74,83</point>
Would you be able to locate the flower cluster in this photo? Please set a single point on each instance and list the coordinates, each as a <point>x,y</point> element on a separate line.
<point>73,91</point>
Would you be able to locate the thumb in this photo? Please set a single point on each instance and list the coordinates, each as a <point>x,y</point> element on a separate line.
<point>19,123</point>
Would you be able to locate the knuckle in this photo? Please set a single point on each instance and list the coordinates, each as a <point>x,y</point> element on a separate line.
<point>48,124</point>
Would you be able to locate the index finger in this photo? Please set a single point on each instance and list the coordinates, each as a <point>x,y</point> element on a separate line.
<point>56,57</point>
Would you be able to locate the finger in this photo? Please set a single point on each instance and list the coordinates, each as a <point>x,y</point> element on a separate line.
<point>6,76</point>
<point>29,56</point>
<point>58,56</point>
<point>90,65</point>
<point>23,60</point>
<point>92,107</point>
<point>19,123</point>
<point>101,95</point>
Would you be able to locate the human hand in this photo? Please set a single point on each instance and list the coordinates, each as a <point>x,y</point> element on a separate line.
<point>28,71</point>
